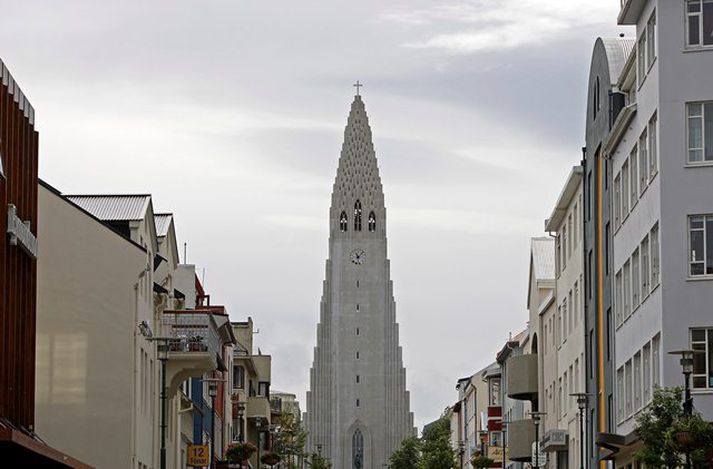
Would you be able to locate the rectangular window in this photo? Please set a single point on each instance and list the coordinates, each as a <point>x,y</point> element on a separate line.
<point>576,303</point>
<point>702,343</point>
<point>637,381</point>
<point>564,320</point>
<point>627,289</point>
<point>617,201</point>
<point>634,177</point>
<point>654,241</point>
<point>565,394</point>
<point>559,324</point>
<point>624,190</point>
<point>700,242</point>
<point>700,132</point>
<point>628,388</point>
<point>571,236</point>
<point>357,379</point>
<point>570,311</point>
<point>238,377</point>
<point>651,39</point>
<point>635,280</point>
<point>643,162</point>
<point>263,389</point>
<point>646,378</point>
<point>564,247</point>
<point>641,57</point>
<point>558,254</point>
<point>620,394</point>
<point>607,235</point>
<point>357,402</point>
<point>700,23</point>
<point>619,298</point>
<point>357,355</point>
<point>653,146</point>
<point>575,226</point>
<point>645,267</point>
<point>655,362</point>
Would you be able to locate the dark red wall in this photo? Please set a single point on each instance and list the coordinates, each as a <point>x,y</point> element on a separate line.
<point>18,272</point>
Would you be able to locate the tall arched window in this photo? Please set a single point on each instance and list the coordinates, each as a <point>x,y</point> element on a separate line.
<point>343,222</point>
<point>357,450</point>
<point>357,216</point>
<point>372,222</point>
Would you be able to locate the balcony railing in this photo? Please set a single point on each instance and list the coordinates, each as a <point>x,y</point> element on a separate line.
<point>191,332</point>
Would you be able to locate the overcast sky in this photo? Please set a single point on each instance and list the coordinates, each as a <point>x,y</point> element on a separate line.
<point>231,113</point>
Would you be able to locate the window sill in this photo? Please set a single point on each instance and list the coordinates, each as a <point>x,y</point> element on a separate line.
<point>703,392</point>
<point>700,278</point>
<point>702,164</point>
<point>692,49</point>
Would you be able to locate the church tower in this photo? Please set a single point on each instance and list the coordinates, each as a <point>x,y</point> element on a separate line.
<point>358,406</point>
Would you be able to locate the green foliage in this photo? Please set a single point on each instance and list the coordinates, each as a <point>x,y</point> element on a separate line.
<point>667,433</point>
<point>436,451</point>
<point>481,462</point>
<point>318,462</point>
<point>407,456</point>
<point>289,440</point>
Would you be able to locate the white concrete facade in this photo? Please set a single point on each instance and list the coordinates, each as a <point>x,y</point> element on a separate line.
<point>358,405</point>
<point>567,329</point>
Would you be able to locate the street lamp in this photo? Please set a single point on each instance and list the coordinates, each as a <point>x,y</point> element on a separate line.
<point>258,425</point>
<point>582,401</point>
<point>503,434</point>
<point>687,368</point>
<point>536,416</point>
<point>162,350</point>
<point>241,412</point>
<point>212,392</point>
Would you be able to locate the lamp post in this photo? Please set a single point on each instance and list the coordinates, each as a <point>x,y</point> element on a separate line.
<point>687,368</point>
<point>162,348</point>
<point>582,401</point>
<point>536,416</point>
<point>258,425</point>
<point>212,392</point>
<point>503,435</point>
<point>241,412</point>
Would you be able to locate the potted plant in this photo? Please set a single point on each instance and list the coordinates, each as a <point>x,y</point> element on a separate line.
<point>481,462</point>
<point>240,452</point>
<point>270,458</point>
<point>195,344</point>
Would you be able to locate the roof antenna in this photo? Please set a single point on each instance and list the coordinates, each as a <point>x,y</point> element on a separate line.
<point>185,248</point>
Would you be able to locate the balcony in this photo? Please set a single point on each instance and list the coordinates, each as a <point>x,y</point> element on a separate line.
<point>630,11</point>
<point>522,377</point>
<point>520,435</point>
<point>193,346</point>
<point>258,408</point>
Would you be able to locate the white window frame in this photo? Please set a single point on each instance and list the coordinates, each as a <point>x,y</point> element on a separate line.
<point>705,218</point>
<point>619,298</point>
<point>617,201</point>
<point>646,373</point>
<point>653,146</point>
<point>635,280</point>
<point>701,116</point>
<point>645,268</point>
<point>655,257</point>
<point>707,344</point>
<point>699,14</point>
<point>625,206</point>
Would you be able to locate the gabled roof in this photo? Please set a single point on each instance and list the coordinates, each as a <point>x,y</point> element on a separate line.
<point>128,207</point>
<point>163,223</point>
<point>568,192</point>
<point>543,258</point>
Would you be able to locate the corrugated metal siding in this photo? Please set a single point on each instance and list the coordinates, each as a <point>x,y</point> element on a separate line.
<point>163,221</point>
<point>113,207</point>
<point>618,51</point>
<point>543,258</point>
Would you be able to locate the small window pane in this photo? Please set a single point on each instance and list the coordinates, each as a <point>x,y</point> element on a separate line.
<point>699,359</point>
<point>696,246</point>
<point>694,6</point>
<point>709,245</point>
<point>698,335</point>
<point>699,381</point>
<point>709,131</point>
<point>695,109</point>
<point>697,223</point>
<point>707,23</point>
<point>693,31</point>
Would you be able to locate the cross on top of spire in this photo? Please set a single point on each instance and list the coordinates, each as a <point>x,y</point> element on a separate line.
<point>357,85</point>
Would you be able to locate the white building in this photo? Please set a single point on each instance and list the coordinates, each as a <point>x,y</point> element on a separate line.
<point>358,405</point>
<point>564,333</point>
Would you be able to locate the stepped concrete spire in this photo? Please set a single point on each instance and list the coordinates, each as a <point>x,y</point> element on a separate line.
<point>358,409</point>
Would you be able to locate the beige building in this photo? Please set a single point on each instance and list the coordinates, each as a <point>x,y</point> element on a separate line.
<point>106,278</point>
<point>251,378</point>
<point>566,334</point>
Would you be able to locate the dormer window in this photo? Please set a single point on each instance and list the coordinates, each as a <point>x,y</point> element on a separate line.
<point>343,222</point>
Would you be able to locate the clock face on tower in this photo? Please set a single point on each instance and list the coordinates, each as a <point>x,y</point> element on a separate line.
<point>358,256</point>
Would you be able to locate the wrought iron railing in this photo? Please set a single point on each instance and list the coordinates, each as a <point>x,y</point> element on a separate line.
<point>191,332</point>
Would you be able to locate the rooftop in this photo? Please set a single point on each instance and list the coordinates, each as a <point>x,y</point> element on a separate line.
<point>128,207</point>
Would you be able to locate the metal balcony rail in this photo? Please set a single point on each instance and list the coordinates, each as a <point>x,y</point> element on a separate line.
<point>191,332</point>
